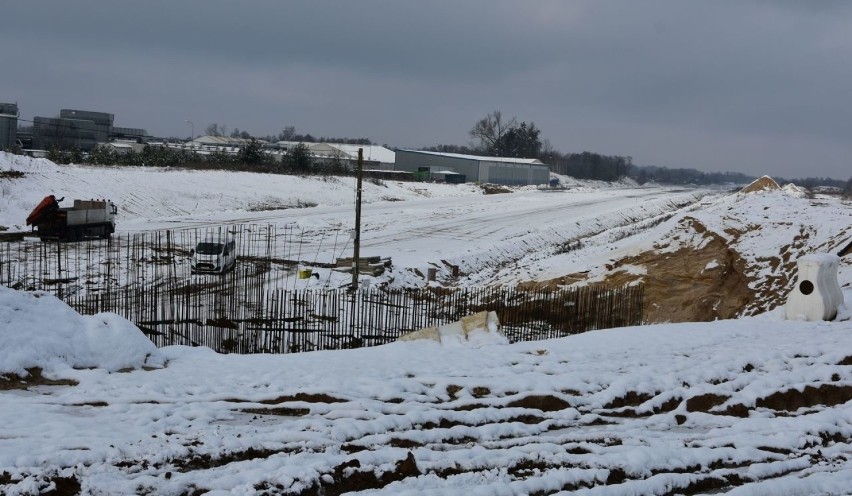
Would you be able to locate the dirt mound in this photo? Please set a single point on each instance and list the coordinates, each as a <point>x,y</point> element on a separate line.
<point>845,251</point>
<point>11,174</point>
<point>494,189</point>
<point>696,274</point>
<point>795,191</point>
<point>32,379</point>
<point>687,284</point>
<point>764,183</point>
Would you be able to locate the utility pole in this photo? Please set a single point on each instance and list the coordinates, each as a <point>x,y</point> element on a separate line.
<point>357,255</point>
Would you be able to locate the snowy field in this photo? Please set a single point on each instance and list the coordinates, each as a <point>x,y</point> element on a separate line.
<point>418,225</point>
<point>755,405</point>
<point>667,409</point>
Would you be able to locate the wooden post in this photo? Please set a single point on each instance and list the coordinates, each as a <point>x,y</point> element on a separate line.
<point>357,242</point>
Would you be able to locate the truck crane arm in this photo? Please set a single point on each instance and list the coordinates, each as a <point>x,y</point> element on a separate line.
<point>48,204</point>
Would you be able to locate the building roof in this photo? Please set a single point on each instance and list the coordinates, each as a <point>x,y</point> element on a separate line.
<point>222,141</point>
<point>479,158</point>
<point>372,153</point>
<point>326,150</point>
<point>287,144</point>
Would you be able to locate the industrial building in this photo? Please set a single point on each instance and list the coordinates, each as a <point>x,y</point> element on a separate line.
<point>220,142</point>
<point>83,129</point>
<point>375,157</point>
<point>453,167</point>
<point>8,125</point>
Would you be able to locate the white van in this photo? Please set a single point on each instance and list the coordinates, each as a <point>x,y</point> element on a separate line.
<point>215,255</point>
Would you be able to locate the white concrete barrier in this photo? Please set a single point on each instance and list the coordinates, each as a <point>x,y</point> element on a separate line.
<point>817,294</point>
<point>476,330</point>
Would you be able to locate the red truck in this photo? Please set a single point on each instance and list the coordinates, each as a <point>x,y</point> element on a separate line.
<point>87,219</point>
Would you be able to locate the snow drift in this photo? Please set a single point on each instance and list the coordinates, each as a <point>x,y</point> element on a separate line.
<point>38,330</point>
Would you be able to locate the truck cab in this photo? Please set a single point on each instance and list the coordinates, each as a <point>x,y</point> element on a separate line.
<point>214,255</point>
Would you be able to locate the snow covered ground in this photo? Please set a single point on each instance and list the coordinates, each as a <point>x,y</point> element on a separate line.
<point>667,409</point>
<point>756,405</point>
<point>418,225</point>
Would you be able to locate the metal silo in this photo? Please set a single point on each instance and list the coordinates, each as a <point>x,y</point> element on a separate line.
<point>8,125</point>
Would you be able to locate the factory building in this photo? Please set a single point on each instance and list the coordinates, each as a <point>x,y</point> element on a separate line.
<point>83,129</point>
<point>375,157</point>
<point>453,167</point>
<point>8,125</point>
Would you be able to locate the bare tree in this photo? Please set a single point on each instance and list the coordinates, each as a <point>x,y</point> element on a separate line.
<point>287,134</point>
<point>491,128</point>
<point>216,130</point>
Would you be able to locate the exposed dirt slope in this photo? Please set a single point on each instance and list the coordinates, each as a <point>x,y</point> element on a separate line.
<point>687,285</point>
<point>738,258</point>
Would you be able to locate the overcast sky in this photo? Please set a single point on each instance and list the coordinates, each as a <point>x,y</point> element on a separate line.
<point>761,87</point>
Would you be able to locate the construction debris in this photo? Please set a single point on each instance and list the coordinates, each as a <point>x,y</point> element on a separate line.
<point>475,330</point>
<point>374,266</point>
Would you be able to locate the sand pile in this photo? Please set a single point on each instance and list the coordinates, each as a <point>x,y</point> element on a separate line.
<point>764,183</point>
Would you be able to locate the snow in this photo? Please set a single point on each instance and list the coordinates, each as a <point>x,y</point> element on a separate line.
<point>374,153</point>
<point>455,409</point>
<point>760,405</point>
<point>150,197</point>
<point>793,190</point>
<point>821,259</point>
<point>38,330</point>
<point>418,225</point>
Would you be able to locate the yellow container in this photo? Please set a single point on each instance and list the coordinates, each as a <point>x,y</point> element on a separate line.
<point>304,273</point>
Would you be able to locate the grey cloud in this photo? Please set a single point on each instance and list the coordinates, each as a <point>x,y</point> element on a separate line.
<point>703,83</point>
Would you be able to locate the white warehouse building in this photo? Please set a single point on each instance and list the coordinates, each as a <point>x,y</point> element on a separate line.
<point>455,167</point>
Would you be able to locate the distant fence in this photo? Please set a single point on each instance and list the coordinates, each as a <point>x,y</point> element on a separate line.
<point>143,278</point>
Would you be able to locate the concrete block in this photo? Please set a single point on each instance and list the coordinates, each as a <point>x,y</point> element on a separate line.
<point>817,294</point>
<point>425,333</point>
<point>475,330</point>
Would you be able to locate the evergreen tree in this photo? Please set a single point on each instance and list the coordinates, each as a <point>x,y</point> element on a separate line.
<point>75,155</point>
<point>518,142</point>
<point>298,158</point>
<point>58,155</point>
<point>252,153</point>
<point>103,155</point>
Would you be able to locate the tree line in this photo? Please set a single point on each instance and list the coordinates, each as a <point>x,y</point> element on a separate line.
<point>496,135</point>
<point>287,134</point>
<point>250,157</point>
<point>493,135</point>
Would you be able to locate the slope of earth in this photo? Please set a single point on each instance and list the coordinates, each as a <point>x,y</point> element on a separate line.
<point>668,409</point>
<point>735,255</point>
